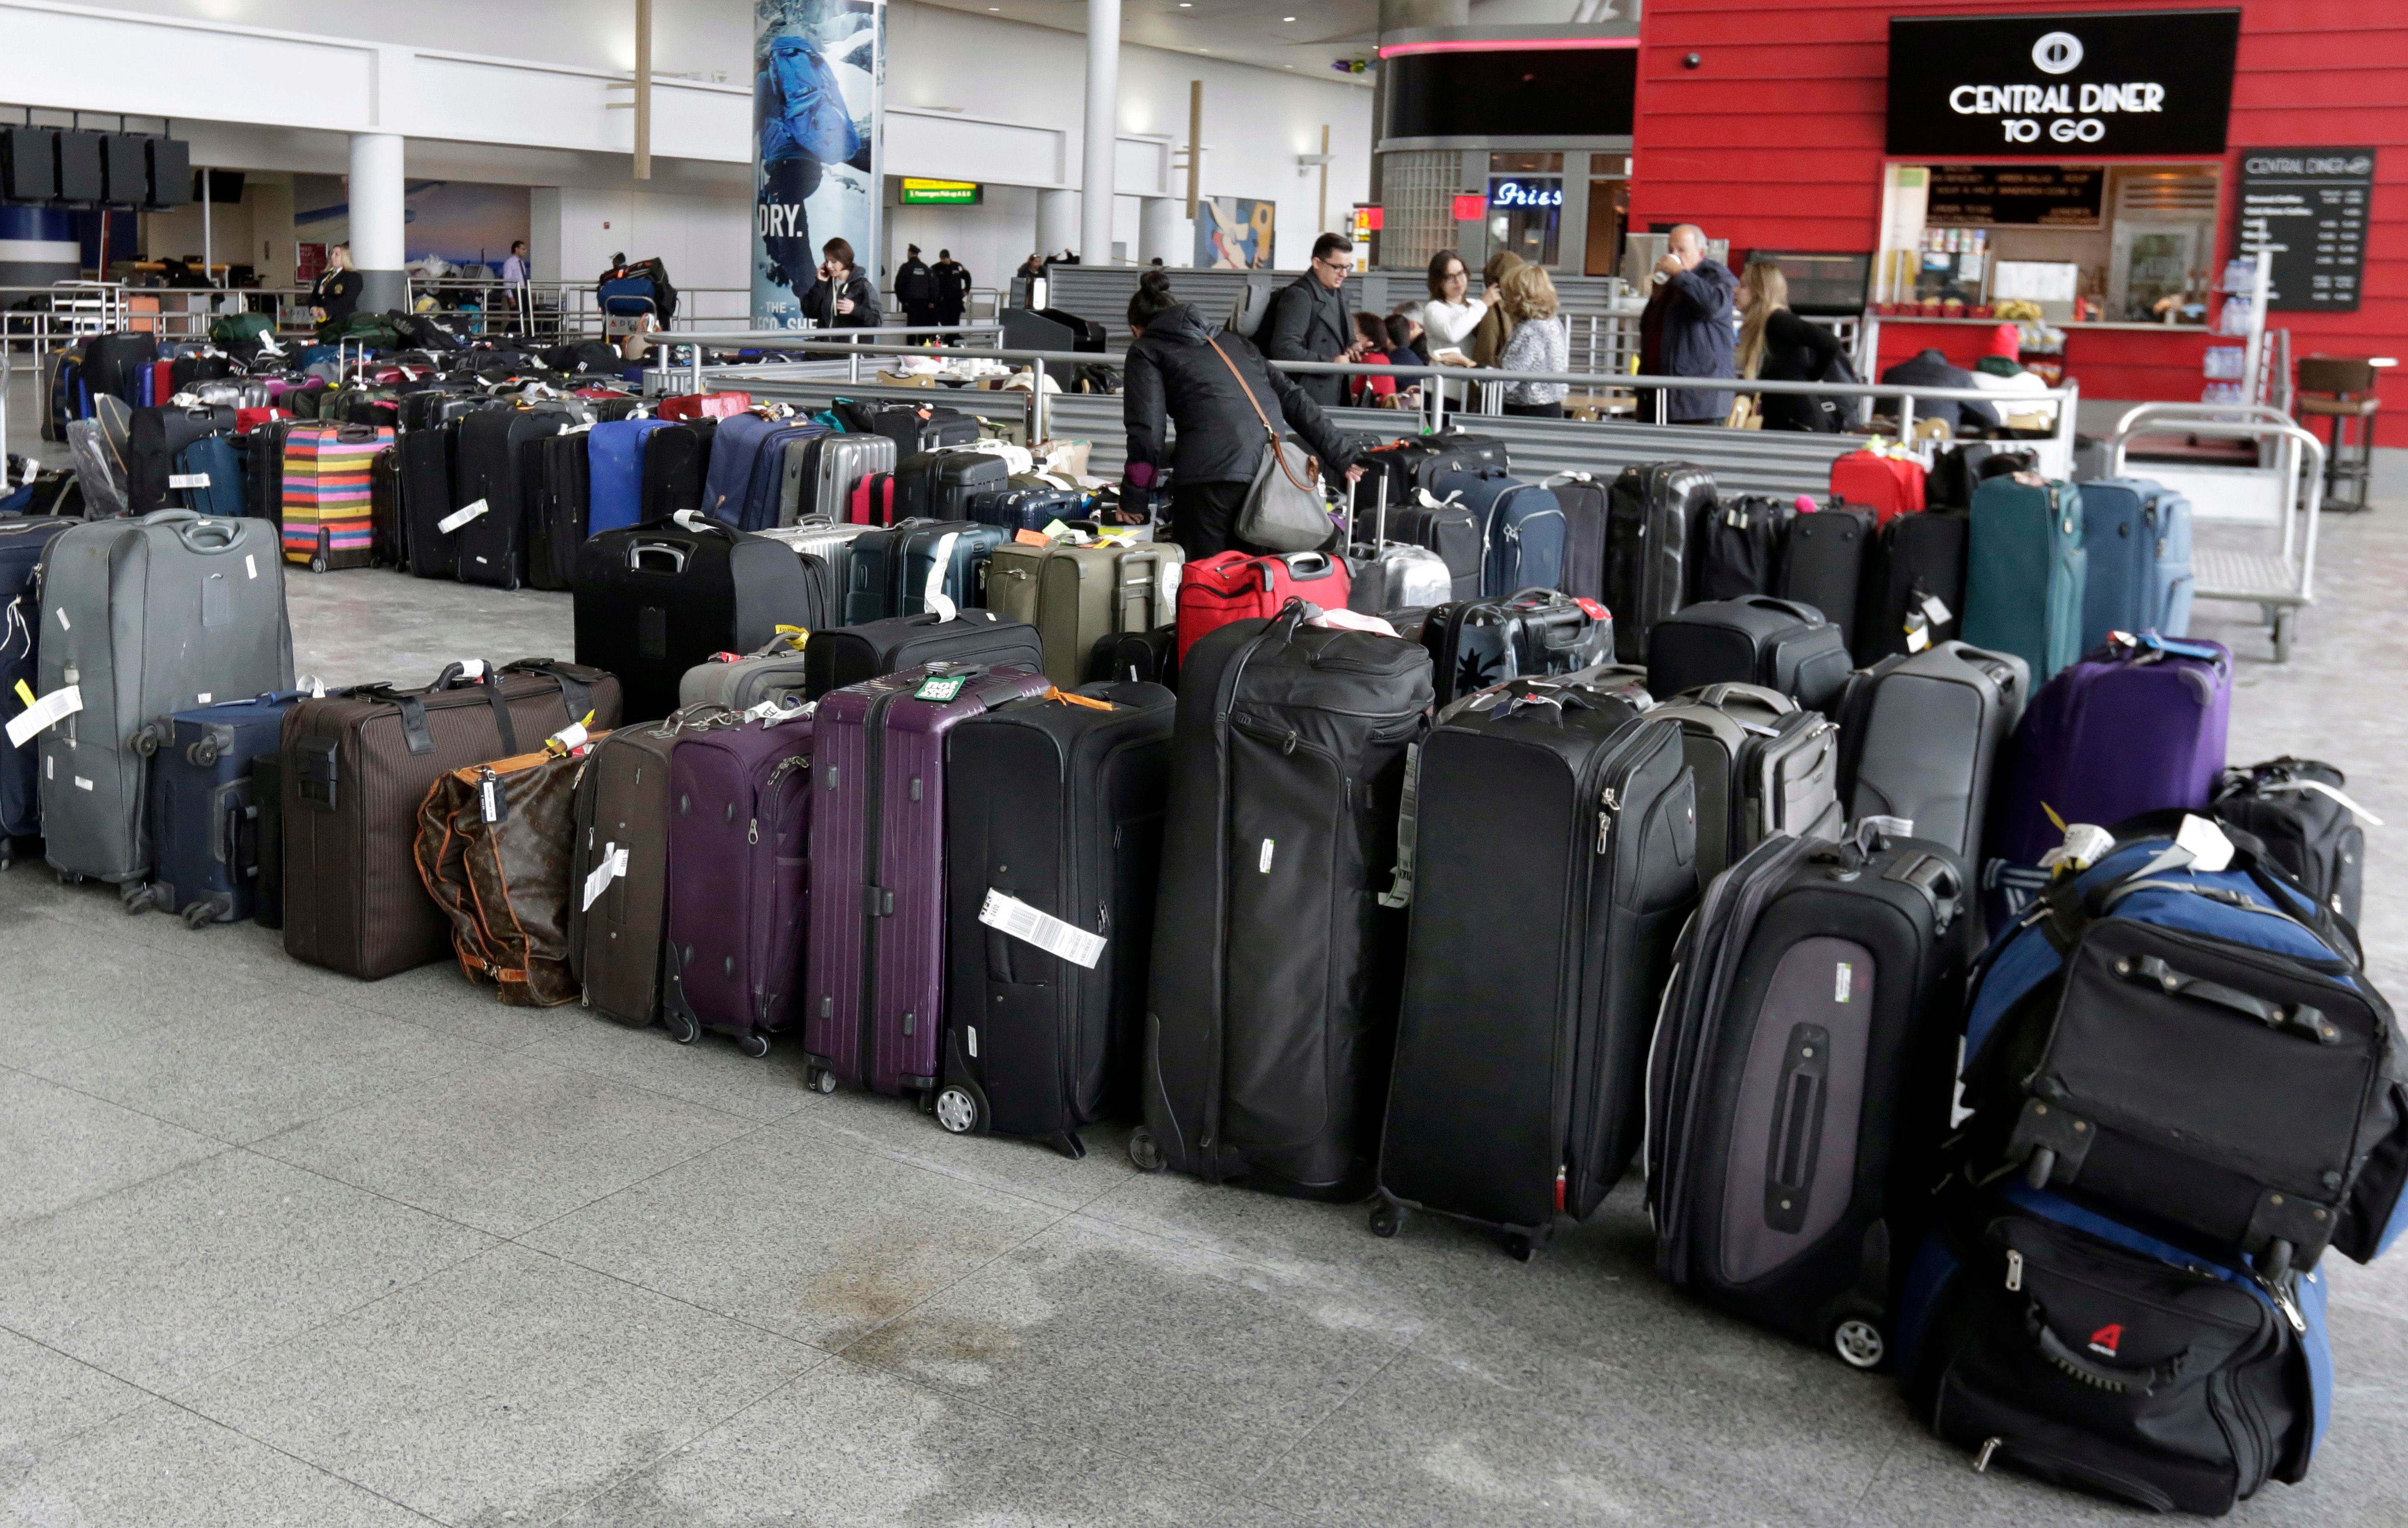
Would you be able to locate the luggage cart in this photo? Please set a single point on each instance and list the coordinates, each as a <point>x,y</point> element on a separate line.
<point>2281,497</point>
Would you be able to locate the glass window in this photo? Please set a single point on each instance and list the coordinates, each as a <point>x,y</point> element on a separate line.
<point>1526,163</point>
<point>1524,212</point>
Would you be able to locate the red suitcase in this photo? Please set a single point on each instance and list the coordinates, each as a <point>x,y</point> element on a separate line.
<point>1234,586</point>
<point>874,974</point>
<point>873,500</point>
<point>1886,485</point>
<point>704,405</point>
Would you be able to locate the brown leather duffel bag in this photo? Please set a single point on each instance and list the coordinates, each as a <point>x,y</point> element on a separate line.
<point>494,844</point>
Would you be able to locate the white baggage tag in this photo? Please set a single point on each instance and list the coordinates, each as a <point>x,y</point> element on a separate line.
<point>459,517</point>
<point>2210,849</point>
<point>612,864</point>
<point>1918,635</point>
<point>1936,610</point>
<point>250,564</point>
<point>1043,930</point>
<point>472,668</point>
<point>569,738</point>
<point>934,596</point>
<point>2084,844</point>
<point>45,713</point>
<point>188,479</point>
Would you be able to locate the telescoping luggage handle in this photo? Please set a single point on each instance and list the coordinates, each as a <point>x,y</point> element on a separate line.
<point>670,556</point>
<point>204,534</point>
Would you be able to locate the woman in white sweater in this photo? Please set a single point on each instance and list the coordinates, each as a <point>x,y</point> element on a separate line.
<point>1452,312</point>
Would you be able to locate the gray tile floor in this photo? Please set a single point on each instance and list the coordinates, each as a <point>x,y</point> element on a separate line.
<point>278,1248</point>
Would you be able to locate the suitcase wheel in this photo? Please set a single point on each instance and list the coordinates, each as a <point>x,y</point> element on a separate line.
<point>207,910</point>
<point>752,1044</point>
<point>1521,1246</point>
<point>683,1029</point>
<point>1859,1342</point>
<point>1144,1152</point>
<point>961,1111</point>
<point>820,1079</point>
<point>1387,1220</point>
<point>138,898</point>
<point>203,752</point>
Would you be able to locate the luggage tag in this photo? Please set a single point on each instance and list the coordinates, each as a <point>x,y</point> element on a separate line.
<point>609,867</point>
<point>41,715</point>
<point>934,596</point>
<point>461,516</point>
<point>188,479</point>
<point>2320,787</point>
<point>491,803</point>
<point>569,740</point>
<point>1032,538</point>
<point>1918,631</point>
<point>1046,932</point>
<point>943,688</point>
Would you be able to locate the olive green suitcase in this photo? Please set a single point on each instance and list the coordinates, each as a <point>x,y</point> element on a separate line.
<point>1075,594</point>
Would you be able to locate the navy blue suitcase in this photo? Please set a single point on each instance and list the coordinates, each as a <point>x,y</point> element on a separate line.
<point>1522,527</point>
<point>220,464</point>
<point>889,569</point>
<point>21,544</point>
<point>204,812</point>
<point>2137,536</point>
<point>1025,506</point>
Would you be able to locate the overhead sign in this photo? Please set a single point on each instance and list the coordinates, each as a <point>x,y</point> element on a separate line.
<point>2061,87</point>
<point>2310,204</point>
<point>1471,207</point>
<point>1993,195</point>
<point>940,192</point>
<point>1367,221</point>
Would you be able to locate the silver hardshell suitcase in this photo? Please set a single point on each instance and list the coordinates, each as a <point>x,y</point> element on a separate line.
<point>146,617</point>
<point>822,474</point>
<point>830,541</point>
<point>1391,575</point>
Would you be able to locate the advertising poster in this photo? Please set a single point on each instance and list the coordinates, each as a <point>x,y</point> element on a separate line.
<point>818,74</point>
<point>1235,233</point>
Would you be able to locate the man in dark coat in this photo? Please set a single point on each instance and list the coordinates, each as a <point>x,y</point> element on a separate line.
<point>915,291</point>
<point>1308,320</point>
<point>1687,331</point>
<point>953,290</point>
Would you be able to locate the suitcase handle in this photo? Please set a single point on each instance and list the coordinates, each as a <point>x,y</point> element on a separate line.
<point>1803,612</point>
<point>668,551</point>
<point>1302,566</point>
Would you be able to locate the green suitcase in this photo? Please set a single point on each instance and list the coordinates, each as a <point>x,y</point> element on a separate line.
<point>2025,573</point>
<point>1075,594</point>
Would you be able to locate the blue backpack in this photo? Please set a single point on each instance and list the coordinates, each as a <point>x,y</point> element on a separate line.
<point>2198,1053</point>
<point>801,108</point>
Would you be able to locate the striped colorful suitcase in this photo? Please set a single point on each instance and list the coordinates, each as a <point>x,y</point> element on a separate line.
<point>329,515</point>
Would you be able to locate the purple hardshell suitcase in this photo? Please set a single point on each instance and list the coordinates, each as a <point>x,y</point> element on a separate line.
<point>2137,725</point>
<point>875,1012</point>
<point>738,879</point>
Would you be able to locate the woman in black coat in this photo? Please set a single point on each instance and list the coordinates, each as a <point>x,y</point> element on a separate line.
<point>1171,371</point>
<point>1777,346</point>
<point>842,297</point>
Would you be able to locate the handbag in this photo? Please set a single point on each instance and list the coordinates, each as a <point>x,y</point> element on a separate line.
<point>1283,511</point>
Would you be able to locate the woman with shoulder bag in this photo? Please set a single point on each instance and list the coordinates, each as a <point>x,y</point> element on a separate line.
<point>1215,388</point>
<point>1777,346</point>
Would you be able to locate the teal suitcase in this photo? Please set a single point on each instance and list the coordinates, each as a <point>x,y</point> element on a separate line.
<point>2025,572</point>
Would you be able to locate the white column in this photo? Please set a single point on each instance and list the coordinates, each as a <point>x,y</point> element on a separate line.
<point>1058,223</point>
<point>1157,231</point>
<point>1103,130</point>
<point>375,214</point>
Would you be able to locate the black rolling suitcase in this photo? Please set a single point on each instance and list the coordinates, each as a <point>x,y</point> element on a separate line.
<point>1764,766</point>
<point>939,485</point>
<point>1553,858</point>
<point>1653,514</point>
<point>2310,827</point>
<point>264,486</point>
<point>153,439</point>
<point>557,491</point>
<point>1779,644</point>
<point>1798,1085</point>
<point>1136,657</point>
<point>1273,995</point>
<point>1449,530</point>
<point>676,456</point>
<point>1473,644</point>
<point>1738,548</point>
<point>655,600</point>
<point>1823,564</point>
<point>427,499</point>
<point>1058,805</point>
<point>1919,734</point>
<point>389,527</point>
<point>843,655</point>
<point>490,547</point>
<point>1582,499</point>
<point>1913,593</point>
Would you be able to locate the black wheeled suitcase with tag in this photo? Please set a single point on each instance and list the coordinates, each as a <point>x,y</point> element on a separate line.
<point>1777,643</point>
<point>655,600</point>
<point>1919,734</point>
<point>1057,805</point>
<point>1273,995</point>
<point>843,655</point>
<point>1473,644</point>
<point>1913,585</point>
<point>676,457</point>
<point>154,438</point>
<point>426,499</point>
<point>490,546</point>
<point>2309,825</point>
<point>623,805</point>
<point>1653,515</point>
<point>558,489</point>
<point>1799,1082</point>
<point>1137,657</point>
<point>1515,1100</point>
<point>1738,547</point>
<point>387,525</point>
<point>1823,564</point>
<point>1582,499</point>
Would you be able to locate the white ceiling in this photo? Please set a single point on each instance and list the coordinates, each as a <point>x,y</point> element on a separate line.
<point>1258,32</point>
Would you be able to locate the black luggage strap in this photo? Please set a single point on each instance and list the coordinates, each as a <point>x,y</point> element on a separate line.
<point>2094,1374</point>
<point>2299,1019</point>
<point>575,693</point>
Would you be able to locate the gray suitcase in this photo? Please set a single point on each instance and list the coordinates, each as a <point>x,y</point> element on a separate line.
<point>829,541</point>
<point>1919,732</point>
<point>1391,575</point>
<point>820,474</point>
<point>146,617</point>
<point>1764,766</point>
<point>770,675</point>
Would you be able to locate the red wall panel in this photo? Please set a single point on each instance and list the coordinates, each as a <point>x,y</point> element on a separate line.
<point>1775,140</point>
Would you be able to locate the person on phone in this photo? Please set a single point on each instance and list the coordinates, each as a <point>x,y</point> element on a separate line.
<point>842,297</point>
<point>1210,400</point>
<point>1687,329</point>
<point>1308,320</point>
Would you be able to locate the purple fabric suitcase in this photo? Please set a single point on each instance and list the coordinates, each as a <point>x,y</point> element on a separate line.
<point>738,879</point>
<point>2132,727</point>
<point>876,1010</point>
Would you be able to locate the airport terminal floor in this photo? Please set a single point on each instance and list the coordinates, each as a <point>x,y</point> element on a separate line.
<point>279,1247</point>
